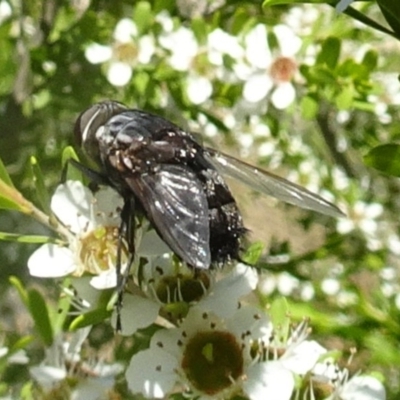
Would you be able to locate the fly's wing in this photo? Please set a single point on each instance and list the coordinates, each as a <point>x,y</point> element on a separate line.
<point>270,184</point>
<point>176,204</point>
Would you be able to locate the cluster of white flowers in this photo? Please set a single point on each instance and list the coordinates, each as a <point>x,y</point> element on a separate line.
<point>260,70</point>
<point>212,342</point>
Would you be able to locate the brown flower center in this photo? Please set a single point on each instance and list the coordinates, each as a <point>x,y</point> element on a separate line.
<point>212,361</point>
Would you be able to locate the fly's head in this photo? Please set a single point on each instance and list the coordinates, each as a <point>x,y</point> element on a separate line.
<point>89,127</point>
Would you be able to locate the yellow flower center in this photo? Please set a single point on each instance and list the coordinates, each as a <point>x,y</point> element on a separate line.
<point>98,250</point>
<point>126,52</point>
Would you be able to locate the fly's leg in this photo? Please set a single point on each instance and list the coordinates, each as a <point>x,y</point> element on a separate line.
<point>95,177</point>
<point>127,232</point>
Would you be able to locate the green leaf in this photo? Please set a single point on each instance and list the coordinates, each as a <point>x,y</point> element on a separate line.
<point>199,28</point>
<point>90,318</point>
<point>370,60</point>
<point>330,52</point>
<point>12,199</point>
<point>385,158</point>
<point>279,312</point>
<point>23,294</point>
<point>142,16</point>
<point>71,172</point>
<point>63,307</point>
<point>37,239</point>
<point>4,175</point>
<point>391,11</point>
<point>22,343</point>
<point>41,190</point>
<point>253,253</point>
<point>344,99</point>
<point>309,107</point>
<point>40,314</point>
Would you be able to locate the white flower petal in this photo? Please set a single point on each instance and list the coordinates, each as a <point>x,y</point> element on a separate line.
<point>3,351</point>
<point>137,312</point>
<point>51,261</point>
<point>257,49</point>
<point>363,388</point>
<point>283,96</point>
<point>46,375</point>
<point>97,53</point>
<point>92,389</point>
<point>303,357</point>
<point>71,204</point>
<point>251,319</point>
<point>168,340</point>
<point>125,30</point>
<point>119,73</point>
<point>105,280</point>
<point>152,373</point>
<point>199,89</point>
<point>268,380</point>
<point>289,42</point>
<point>257,87</point>
<point>146,49</point>
<point>107,207</point>
<point>5,11</point>
<point>226,293</point>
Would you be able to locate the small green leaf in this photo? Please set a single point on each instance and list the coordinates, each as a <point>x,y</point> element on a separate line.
<point>71,172</point>
<point>344,99</point>
<point>40,314</point>
<point>391,11</point>
<point>330,52</point>
<point>12,199</point>
<point>63,306</point>
<point>199,28</point>
<point>370,60</point>
<point>4,175</point>
<point>385,158</point>
<point>279,313</point>
<point>41,190</point>
<point>22,343</point>
<point>90,318</point>
<point>142,16</point>
<point>23,294</point>
<point>253,253</point>
<point>309,107</point>
<point>37,239</point>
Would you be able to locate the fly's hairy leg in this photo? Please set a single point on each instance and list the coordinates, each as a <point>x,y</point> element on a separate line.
<point>127,232</point>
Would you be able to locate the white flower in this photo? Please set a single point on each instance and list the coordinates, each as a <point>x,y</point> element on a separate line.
<point>126,51</point>
<point>359,387</point>
<point>210,357</point>
<point>5,11</point>
<point>174,288</point>
<point>199,89</point>
<point>258,82</point>
<point>365,218</point>
<point>183,47</point>
<point>93,221</point>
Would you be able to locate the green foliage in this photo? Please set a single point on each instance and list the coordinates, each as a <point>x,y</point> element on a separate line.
<point>338,135</point>
<point>385,158</point>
